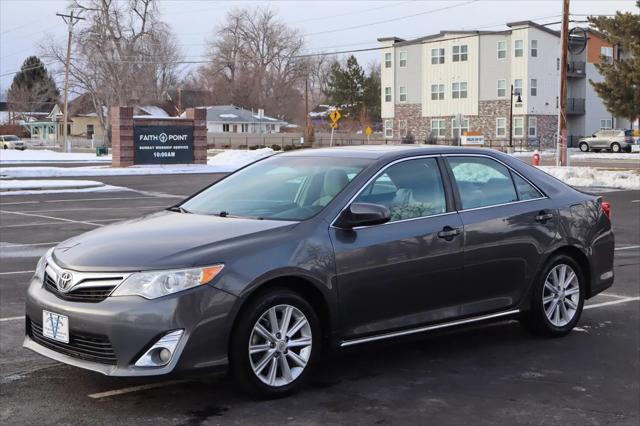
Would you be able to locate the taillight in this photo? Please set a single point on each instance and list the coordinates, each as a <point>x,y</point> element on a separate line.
<point>606,208</point>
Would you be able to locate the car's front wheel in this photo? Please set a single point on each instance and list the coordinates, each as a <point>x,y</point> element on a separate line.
<point>615,147</point>
<point>557,298</point>
<point>584,147</point>
<point>274,344</point>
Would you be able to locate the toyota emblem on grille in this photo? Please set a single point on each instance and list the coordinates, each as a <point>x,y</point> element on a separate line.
<point>64,281</point>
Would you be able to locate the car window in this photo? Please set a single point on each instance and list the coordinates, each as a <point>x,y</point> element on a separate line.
<point>526,191</point>
<point>482,182</point>
<point>410,189</point>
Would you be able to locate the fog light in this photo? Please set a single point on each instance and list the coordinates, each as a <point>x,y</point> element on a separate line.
<point>161,352</point>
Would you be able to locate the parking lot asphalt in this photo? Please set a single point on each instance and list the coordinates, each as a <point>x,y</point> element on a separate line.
<point>489,374</point>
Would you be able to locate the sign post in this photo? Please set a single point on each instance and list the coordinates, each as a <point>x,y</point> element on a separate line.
<point>335,117</point>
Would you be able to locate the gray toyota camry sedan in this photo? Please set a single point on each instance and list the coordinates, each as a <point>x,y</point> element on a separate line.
<point>314,250</point>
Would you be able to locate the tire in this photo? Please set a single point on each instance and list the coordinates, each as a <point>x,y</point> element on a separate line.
<point>6,147</point>
<point>584,147</point>
<point>615,147</point>
<point>271,380</point>
<point>546,321</point>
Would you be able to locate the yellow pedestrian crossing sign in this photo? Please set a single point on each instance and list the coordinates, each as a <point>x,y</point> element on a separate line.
<point>368,130</point>
<point>334,124</point>
<point>335,115</point>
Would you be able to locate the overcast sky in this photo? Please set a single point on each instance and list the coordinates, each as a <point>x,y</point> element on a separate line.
<point>327,25</point>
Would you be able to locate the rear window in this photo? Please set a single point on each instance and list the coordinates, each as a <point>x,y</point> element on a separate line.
<point>628,132</point>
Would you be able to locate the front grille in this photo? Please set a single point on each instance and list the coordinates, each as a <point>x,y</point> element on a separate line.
<point>95,348</point>
<point>83,294</point>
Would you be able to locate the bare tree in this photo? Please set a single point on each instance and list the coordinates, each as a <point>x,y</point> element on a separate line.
<point>123,55</point>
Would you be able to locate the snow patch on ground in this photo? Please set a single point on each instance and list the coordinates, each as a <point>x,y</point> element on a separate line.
<point>12,156</point>
<point>57,190</point>
<point>605,156</point>
<point>225,162</point>
<point>595,177</point>
<point>8,185</point>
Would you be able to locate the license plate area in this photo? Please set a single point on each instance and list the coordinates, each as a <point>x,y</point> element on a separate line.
<point>55,326</point>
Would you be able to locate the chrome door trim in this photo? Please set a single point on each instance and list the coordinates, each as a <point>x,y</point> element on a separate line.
<point>347,343</point>
<point>374,177</point>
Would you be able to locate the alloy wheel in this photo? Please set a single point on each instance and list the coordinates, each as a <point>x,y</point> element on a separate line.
<point>561,295</point>
<point>280,345</point>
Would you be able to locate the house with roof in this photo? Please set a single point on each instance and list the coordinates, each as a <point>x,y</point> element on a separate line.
<point>234,119</point>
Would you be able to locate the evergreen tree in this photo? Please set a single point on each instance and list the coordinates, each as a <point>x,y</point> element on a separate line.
<point>372,94</point>
<point>32,88</point>
<point>345,87</point>
<point>620,89</point>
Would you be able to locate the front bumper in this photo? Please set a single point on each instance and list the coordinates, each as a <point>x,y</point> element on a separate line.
<point>131,325</point>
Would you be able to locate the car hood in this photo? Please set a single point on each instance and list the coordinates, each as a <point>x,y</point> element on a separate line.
<point>164,240</point>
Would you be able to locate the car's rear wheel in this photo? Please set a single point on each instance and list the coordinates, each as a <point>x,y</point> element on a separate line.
<point>584,147</point>
<point>274,344</point>
<point>615,147</point>
<point>557,298</point>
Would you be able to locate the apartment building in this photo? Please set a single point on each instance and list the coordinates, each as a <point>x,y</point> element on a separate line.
<point>438,86</point>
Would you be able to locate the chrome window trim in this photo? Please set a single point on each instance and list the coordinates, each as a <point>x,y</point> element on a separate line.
<point>84,279</point>
<point>374,177</point>
<point>383,336</point>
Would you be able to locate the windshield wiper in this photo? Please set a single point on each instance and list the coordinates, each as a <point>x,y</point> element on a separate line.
<point>178,209</point>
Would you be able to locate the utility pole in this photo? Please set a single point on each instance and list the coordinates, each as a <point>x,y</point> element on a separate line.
<point>561,159</point>
<point>70,20</point>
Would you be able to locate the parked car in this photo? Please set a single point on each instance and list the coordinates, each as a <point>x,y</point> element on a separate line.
<point>315,250</point>
<point>612,139</point>
<point>11,142</point>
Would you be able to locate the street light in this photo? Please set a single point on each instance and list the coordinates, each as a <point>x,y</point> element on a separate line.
<point>519,100</point>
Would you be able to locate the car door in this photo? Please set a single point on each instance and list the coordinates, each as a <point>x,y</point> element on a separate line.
<point>508,225</point>
<point>405,272</point>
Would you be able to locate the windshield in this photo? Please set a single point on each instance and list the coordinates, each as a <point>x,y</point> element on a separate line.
<point>280,188</point>
<point>11,138</point>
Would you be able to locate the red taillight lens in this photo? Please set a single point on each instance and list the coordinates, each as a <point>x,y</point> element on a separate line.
<point>606,208</point>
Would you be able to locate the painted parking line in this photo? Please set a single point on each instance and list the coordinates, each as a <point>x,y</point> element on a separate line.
<point>22,225</point>
<point>16,272</point>
<point>613,302</point>
<point>47,217</point>
<point>160,207</point>
<point>96,199</point>
<point>635,201</point>
<point>19,202</point>
<point>627,248</point>
<point>4,245</point>
<point>135,389</point>
<point>12,319</point>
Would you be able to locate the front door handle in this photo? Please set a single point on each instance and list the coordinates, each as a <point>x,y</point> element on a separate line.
<point>544,216</point>
<point>448,233</point>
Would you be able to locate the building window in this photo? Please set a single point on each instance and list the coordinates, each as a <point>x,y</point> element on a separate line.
<point>518,127</point>
<point>502,49</point>
<point>225,127</point>
<point>501,127</point>
<point>437,56</point>
<point>534,48</point>
<point>607,52</point>
<point>403,94</point>
<point>460,53</point>
<point>533,124</point>
<point>402,128</point>
<point>459,90</point>
<point>606,123</point>
<point>387,94</point>
<point>438,128</point>
<point>437,92</point>
<point>90,131</point>
<point>403,59</point>
<point>387,60</point>
<point>502,88</point>
<point>517,87</point>
<point>519,49</point>
<point>388,128</point>
<point>459,129</point>
<point>245,128</point>
<point>533,87</point>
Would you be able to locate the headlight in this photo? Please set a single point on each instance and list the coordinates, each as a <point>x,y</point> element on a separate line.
<point>154,284</point>
<point>42,264</point>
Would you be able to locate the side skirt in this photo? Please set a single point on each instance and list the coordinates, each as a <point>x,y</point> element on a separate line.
<point>427,328</point>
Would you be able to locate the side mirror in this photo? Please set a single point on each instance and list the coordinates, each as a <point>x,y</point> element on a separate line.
<point>363,214</point>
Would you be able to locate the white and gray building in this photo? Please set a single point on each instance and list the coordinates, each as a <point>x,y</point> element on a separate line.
<point>438,86</point>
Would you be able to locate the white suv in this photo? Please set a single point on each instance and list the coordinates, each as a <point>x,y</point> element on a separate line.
<point>612,139</point>
<point>11,142</point>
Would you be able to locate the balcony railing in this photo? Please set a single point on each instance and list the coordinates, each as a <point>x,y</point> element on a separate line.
<point>576,69</point>
<point>575,106</point>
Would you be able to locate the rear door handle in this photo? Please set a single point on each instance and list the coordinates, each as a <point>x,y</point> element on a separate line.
<point>544,216</point>
<point>448,233</point>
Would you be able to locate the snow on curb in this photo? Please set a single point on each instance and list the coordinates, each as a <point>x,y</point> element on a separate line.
<point>30,185</point>
<point>47,156</point>
<point>227,161</point>
<point>104,188</point>
<point>594,177</point>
